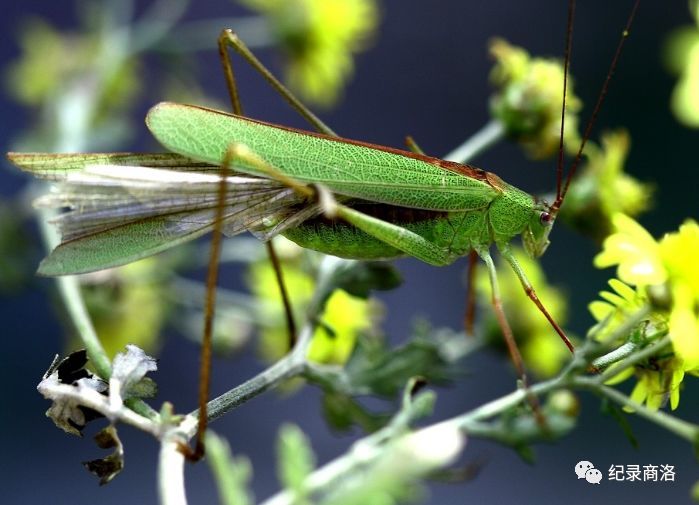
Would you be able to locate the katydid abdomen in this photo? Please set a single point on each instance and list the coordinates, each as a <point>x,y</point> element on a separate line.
<point>336,237</point>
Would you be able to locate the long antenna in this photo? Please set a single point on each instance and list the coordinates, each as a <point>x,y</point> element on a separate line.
<point>600,99</point>
<point>566,67</point>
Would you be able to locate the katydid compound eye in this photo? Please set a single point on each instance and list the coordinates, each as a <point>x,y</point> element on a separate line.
<point>545,218</point>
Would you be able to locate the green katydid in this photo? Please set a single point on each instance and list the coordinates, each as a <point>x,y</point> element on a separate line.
<point>338,196</point>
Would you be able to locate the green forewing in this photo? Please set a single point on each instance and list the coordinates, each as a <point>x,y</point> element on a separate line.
<point>118,246</point>
<point>56,167</point>
<point>346,168</point>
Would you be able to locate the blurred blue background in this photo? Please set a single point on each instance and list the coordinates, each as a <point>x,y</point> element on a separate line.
<point>426,75</point>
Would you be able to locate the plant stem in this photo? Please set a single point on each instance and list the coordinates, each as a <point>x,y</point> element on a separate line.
<point>632,358</point>
<point>90,398</point>
<point>679,427</point>
<point>289,366</point>
<point>284,369</point>
<point>482,140</point>
<point>498,406</point>
<point>294,363</point>
<point>69,291</point>
<point>171,473</point>
<point>365,451</point>
<point>617,354</point>
<point>171,461</point>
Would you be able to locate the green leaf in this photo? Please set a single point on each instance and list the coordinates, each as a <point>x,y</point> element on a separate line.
<point>342,412</point>
<point>526,452</point>
<point>295,458</point>
<point>360,278</point>
<point>232,475</point>
<point>695,492</point>
<point>376,369</point>
<point>618,415</point>
<point>385,371</point>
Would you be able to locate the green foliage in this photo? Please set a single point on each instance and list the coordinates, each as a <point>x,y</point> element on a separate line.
<point>602,188</point>
<point>16,250</point>
<point>319,39</point>
<point>295,459</point>
<point>342,412</point>
<point>348,312</point>
<point>622,420</point>
<point>379,370</point>
<point>232,474</point>
<point>54,65</point>
<point>528,100</point>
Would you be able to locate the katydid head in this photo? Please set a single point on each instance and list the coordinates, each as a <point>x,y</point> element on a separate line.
<point>536,235</point>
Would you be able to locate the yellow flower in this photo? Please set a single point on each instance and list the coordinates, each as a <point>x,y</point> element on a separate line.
<point>602,188</point>
<point>619,192</point>
<point>672,263</point>
<point>51,59</point>
<point>682,57</point>
<point>635,251</point>
<point>319,38</point>
<point>261,279</point>
<point>615,308</point>
<point>529,100</point>
<point>541,348</point>
<point>679,252</point>
<point>345,317</point>
<point>658,384</point>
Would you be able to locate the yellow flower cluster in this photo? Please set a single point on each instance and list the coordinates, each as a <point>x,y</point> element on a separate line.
<point>529,99</point>
<point>50,59</point>
<point>319,38</point>
<point>603,189</point>
<point>344,319</point>
<point>668,265</point>
<point>682,56</point>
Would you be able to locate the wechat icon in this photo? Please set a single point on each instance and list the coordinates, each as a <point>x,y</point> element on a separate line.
<point>586,470</point>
